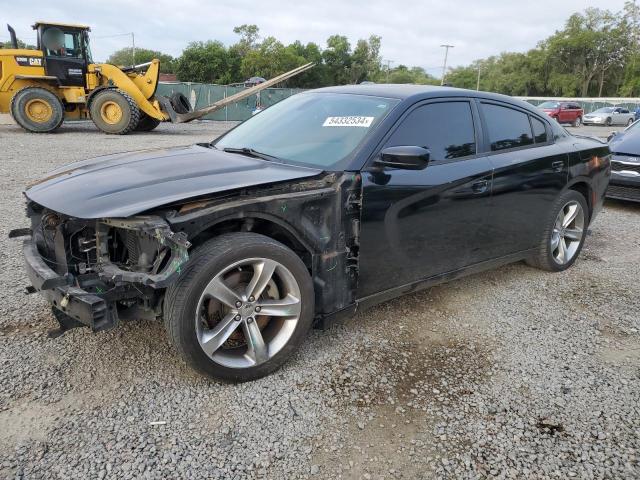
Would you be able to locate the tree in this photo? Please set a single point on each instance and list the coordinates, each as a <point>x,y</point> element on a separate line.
<point>337,58</point>
<point>124,57</point>
<point>249,35</point>
<point>207,62</point>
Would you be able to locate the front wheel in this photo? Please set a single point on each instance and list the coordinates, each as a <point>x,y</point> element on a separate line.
<point>242,306</point>
<point>114,111</point>
<point>608,122</point>
<point>564,234</point>
<point>630,122</point>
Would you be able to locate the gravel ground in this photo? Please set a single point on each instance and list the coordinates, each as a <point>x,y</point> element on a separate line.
<point>513,373</point>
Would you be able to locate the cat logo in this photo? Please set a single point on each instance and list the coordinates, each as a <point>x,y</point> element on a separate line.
<point>29,61</point>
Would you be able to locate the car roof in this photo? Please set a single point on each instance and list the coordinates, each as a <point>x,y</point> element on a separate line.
<point>412,92</point>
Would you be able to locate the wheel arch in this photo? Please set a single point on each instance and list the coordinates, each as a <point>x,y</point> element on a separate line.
<point>262,223</point>
<point>583,186</point>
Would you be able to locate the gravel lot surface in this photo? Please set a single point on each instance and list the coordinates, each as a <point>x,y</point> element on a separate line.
<point>513,373</point>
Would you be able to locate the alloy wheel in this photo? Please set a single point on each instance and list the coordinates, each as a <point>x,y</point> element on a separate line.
<point>248,312</point>
<point>567,232</point>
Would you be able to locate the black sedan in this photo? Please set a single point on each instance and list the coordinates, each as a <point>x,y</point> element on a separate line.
<point>625,164</point>
<point>328,202</point>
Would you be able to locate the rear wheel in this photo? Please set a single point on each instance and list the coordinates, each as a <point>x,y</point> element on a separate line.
<point>113,111</point>
<point>37,110</point>
<point>564,234</point>
<point>242,306</point>
<point>146,123</point>
<point>577,122</point>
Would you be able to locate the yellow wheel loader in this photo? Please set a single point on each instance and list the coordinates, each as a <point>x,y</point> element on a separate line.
<point>59,81</point>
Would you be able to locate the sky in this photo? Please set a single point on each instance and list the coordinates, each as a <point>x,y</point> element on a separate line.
<point>411,31</point>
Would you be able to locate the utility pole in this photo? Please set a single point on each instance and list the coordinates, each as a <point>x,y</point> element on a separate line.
<point>478,82</point>
<point>389,62</point>
<point>133,47</point>
<point>444,66</point>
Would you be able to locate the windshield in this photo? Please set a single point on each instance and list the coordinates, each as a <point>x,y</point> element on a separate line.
<point>604,110</point>
<point>311,129</point>
<point>549,105</point>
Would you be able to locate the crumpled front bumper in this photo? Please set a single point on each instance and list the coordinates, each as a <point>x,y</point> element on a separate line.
<point>87,308</point>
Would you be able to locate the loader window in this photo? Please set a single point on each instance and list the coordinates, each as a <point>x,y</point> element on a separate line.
<point>62,44</point>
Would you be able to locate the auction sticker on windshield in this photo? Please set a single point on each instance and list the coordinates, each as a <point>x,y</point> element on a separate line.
<point>353,121</point>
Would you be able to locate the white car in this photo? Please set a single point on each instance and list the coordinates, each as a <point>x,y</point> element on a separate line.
<point>609,116</point>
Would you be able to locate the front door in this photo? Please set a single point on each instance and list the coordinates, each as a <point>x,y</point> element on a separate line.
<point>420,223</point>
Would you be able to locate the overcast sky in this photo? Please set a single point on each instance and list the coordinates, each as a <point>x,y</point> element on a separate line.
<point>411,31</point>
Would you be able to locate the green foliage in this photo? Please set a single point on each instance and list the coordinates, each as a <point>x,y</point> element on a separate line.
<point>21,44</point>
<point>208,62</point>
<point>124,57</point>
<point>596,53</point>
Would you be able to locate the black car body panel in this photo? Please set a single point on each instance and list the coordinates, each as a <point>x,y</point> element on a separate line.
<point>366,232</point>
<point>125,184</point>
<point>625,166</point>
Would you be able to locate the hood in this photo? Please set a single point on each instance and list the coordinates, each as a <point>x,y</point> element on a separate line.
<point>627,143</point>
<point>126,184</point>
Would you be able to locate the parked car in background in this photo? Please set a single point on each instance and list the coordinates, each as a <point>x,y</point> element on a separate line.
<point>609,116</point>
<point>563,112</point>
<point>324,204</point>
<point>625,164</point>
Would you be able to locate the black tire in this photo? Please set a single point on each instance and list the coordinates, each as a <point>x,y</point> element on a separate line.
<point>146,123</point>
<point>180,103</point>
<point>128,119</point>
<point>544,259</point>
<point>630,122</point>
<point>577,122</point>
<point>608,122</point>
<point>211,258</point>
<point>32,97</point>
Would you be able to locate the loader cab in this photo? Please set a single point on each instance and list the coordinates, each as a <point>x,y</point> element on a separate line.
<point>66,51</point>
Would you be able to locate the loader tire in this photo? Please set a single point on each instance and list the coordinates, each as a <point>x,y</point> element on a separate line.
<point>180,103</point>
<point>37,110</point>
<point>146,123</point>
<point>115,112</point>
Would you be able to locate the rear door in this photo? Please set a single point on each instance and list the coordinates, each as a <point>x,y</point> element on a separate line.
<point>420,223</point>
<point>530,170</point>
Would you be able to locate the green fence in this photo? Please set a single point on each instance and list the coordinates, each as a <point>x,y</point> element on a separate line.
<point>202,94</point>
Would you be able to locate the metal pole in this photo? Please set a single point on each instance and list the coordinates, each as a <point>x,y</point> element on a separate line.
<point>133,47</point>
<point>444,66</point>
<point>389,62</point>
<point>478,82</point>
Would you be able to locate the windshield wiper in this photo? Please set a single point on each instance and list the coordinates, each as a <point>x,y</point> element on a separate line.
<point>252,153</point>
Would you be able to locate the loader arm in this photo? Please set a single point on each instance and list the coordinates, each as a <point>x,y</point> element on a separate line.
<point>137,88</point>
<point>187,117</point>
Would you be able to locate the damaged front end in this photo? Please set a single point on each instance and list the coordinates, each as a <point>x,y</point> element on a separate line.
<point>98,271</point>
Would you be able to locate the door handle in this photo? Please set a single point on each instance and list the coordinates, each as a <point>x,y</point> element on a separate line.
<point>480,186</point>
<point>558,166</point>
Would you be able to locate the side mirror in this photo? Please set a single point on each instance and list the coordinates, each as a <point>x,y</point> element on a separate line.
<point>404,157</point>
<point>611,135</point>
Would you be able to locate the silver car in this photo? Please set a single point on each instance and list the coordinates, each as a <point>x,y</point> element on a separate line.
<point>609,116</point>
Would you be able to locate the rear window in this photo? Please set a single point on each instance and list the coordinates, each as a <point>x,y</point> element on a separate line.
<point>539,131</point>
<point>508,128</point>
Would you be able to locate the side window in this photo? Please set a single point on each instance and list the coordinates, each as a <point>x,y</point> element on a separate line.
<point>446,129</point>
<point>507,128</point>
<point>539,131</point>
